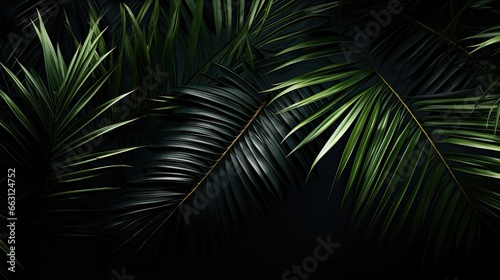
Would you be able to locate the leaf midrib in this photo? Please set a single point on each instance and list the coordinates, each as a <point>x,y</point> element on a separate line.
<point>207,174</point>
<point>428,138</point>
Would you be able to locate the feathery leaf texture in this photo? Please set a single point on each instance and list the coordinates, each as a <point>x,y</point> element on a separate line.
<point>214,109</point>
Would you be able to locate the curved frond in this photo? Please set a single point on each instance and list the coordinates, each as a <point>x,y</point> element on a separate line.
<point>420,129</point>
<point>208,167</point>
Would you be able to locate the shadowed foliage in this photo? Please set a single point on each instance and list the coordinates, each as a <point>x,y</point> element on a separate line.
<point>150,122</point>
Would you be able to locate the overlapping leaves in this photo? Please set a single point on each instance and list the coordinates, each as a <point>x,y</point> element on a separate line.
<point>222,158</point>
<point>420,128</point>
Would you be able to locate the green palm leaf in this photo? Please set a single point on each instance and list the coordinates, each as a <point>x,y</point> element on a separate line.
<point>420,144</point>
<point>225,143</point>
<point>46,115</point>
<point>416,122</point>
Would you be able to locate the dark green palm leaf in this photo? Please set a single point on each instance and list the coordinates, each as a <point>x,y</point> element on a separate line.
<point>45,117</point>
<point>421,136</point>
<point>415,111</point>
<point>225,143</point>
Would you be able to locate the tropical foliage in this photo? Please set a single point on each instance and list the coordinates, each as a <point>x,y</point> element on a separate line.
<point>142,108</point>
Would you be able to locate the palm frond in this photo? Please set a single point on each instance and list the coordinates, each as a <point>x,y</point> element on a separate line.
<point>225,142</point>
<point>420,128</point>
<point>215,109</point>
<point>46,116</point>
